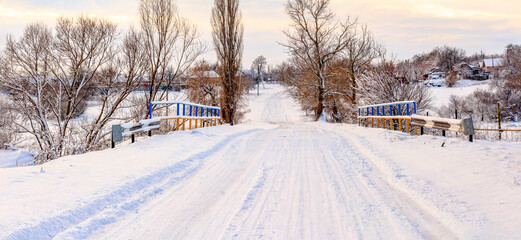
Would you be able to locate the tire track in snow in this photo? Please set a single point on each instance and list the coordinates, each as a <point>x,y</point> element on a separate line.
<point>287,206</point>
<point>373,206</point>
<point>404,207</point>
<point>82,222</point>
<point>205,203</point>
<point>354,201</point>
<point>265,184</point>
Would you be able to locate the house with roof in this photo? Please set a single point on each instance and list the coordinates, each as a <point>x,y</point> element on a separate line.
<point>491,64</point>
<point>467,71</point>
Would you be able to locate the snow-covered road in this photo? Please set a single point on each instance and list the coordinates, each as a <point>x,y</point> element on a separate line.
<point>277,176</point>
<point>297,181</point>
<point>293,182</point>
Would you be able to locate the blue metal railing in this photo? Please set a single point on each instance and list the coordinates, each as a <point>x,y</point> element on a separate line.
<point>387,107</point>
<point>182,107</point>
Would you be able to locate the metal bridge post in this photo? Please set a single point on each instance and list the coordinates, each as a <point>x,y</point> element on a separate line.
<point>150,111</point>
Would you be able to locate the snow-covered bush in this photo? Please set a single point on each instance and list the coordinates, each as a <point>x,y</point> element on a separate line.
<point>458,107</point>
<point>381,86</point>
<point>452,79</point>
<point>5,123</point>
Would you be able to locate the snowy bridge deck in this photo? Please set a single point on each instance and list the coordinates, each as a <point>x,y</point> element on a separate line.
<point>274,177</point>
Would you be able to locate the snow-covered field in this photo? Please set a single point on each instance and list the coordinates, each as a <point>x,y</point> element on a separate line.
<point>276,176</point>
<point>462,88</point>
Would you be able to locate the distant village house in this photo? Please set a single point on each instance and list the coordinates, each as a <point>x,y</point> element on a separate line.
<point>491,64</point>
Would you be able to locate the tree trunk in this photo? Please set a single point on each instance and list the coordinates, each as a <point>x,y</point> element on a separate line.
<point>320,105</point>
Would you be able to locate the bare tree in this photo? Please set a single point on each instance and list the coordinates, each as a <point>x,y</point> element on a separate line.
<point>26,74</point>
<point>512,66</point>
<point>7,133</point>
<point>457,108</point>
<point>50,78</point>
<point>203,84</point>
<point>409,70</point>
<point>380,85</point>
<point>314,39</point>
<point>171,45</point>
<point>227,37</point>
<point>284,73</point>
<point>114,84</point>
<point>448,57</point>
<point>360,51</point>
<point>83,46</point>
<point>484,104</point>
<point>259,65</point>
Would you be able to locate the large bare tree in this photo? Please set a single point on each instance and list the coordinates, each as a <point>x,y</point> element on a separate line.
<point>25,73</point>
<point>51,77</point>
<point>227,37</point>
<point>82,47</point>
<point>448,57</point>
<point>360,51</point>
<point>113,85</point>
<point>314,39</point>
<point>171,45</point>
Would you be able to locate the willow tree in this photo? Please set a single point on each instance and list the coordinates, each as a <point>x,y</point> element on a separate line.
<point>227,37</point>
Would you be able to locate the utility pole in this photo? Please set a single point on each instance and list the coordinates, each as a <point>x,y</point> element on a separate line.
<point>499,120</point>
<point>258,78</point>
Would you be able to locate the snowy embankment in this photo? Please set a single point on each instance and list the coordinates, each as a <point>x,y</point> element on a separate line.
<point>15,158</point>
<point>82,193</point>
<point>276,176</point>
<point>473,188</point>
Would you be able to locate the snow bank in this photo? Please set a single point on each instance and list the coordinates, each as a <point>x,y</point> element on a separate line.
<point>475,188</point>
<point>15,158</point>
<point>41,201</point>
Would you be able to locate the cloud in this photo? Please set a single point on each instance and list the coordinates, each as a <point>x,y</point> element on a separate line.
<point>406,27</point>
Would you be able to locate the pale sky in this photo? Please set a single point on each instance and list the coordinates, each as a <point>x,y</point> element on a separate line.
<point>405,27</point>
